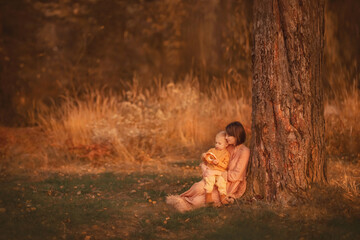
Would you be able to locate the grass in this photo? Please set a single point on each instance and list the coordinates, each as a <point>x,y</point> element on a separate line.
<point>345,175</point>
<point>71,205</point>
<point>342,116</point>
<point>54,206</point>
<point>112,205</point>
<point>265,224</point>
<point>99,126</point>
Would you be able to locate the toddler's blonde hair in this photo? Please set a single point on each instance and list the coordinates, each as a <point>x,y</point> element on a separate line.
<point>221,134</point>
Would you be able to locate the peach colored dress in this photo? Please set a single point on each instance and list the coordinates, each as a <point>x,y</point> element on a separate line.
<point>236,183</point>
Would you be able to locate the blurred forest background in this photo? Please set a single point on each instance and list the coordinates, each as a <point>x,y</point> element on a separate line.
<point>50,47</point>
<point>136,79</point>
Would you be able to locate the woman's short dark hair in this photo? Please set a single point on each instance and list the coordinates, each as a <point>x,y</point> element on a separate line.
<point>236,130</point>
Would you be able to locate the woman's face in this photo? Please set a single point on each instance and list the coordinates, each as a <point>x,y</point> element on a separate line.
<point>230,139</point>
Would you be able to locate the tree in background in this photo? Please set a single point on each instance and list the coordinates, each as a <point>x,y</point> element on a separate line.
<point>287,105</point>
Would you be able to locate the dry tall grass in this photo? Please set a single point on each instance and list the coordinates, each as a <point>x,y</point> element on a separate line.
<point>342,116</point>
<point>342,135</point>
<point>347,177</point>
<point>138,124</point>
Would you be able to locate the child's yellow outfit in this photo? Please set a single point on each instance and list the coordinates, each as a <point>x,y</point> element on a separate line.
<point>213,173</point>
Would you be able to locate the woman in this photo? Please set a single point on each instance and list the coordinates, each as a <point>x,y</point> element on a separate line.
<point>236,174</point>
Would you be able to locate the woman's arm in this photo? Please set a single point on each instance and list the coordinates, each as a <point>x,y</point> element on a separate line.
<point>238,165</point>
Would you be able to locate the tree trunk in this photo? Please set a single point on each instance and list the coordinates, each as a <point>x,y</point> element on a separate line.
<point>287,105</point>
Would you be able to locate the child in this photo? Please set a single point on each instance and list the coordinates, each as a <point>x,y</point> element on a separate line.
<point>216,161</point>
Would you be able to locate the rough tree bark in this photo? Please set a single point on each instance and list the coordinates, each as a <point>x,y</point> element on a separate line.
<point>287,118</point>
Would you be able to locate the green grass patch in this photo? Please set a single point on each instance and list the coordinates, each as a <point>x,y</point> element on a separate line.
<point>62,203</point>
<point>50,207</point>
<point>132,206</point>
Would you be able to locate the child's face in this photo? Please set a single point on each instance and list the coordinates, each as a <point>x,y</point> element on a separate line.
<point>220,143</point>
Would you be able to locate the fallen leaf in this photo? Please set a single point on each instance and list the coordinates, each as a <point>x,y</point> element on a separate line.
<point>159,228</point>
<point>2,210</point>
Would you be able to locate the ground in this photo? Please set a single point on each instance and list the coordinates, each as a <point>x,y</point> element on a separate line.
<point>118,205</point>
<point>112,202</point>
